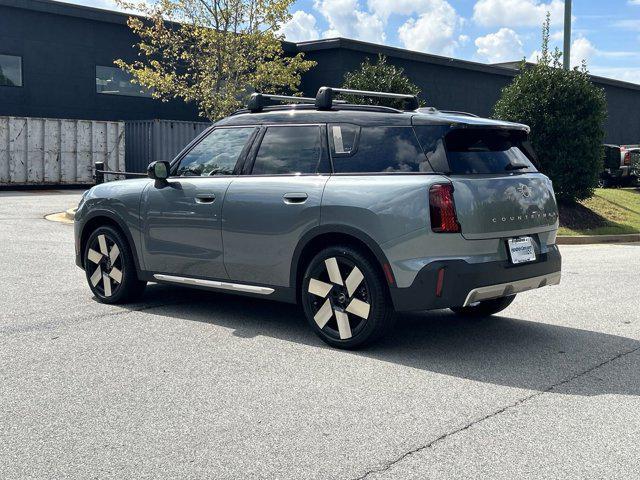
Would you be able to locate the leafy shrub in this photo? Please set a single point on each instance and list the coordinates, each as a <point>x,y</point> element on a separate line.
<point>566,112</point>
<point>378,77</point>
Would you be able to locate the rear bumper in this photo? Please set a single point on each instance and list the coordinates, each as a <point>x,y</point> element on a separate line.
<point>465,283</point>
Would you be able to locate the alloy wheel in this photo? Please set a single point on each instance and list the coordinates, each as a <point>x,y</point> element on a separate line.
<point>104,264</point>
<point>339,297</point>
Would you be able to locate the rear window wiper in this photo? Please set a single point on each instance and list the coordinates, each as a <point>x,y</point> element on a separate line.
<point>516,166</point>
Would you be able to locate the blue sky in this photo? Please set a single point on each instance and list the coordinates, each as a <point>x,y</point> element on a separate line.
<point>606,33</point>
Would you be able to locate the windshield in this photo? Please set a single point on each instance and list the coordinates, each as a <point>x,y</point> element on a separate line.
<point>478,151</point>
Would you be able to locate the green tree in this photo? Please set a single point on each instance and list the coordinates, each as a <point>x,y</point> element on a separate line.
<point>212,52</point>
<point>379,77</point>
<point>566,113</point>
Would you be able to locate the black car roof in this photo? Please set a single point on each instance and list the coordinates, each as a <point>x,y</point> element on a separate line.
<point>361,115</point>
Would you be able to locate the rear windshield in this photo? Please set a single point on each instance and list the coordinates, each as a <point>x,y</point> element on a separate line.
<point>480,151</point>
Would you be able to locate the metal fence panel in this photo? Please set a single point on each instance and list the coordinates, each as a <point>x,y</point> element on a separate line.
<point>150,140</point>
<point>39,151</point>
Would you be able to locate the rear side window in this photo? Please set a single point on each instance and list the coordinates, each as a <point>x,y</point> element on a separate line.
<point>376,149</point>
<point>431,137</point>
<point>288,150</point>
<point>343,138</point>
<point>216,154</point>
<point>477,151</point>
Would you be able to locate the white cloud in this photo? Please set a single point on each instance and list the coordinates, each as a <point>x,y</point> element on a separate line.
<point>582,49</point>
<point>501,46</point>
<point>301,27</point>
<point>346,19</point>
<point>434,30</point>
<point>517,13</point>
<point>557,36</point>
<point>534,57</point>
<point>385,8</point>
<point>634,2</point>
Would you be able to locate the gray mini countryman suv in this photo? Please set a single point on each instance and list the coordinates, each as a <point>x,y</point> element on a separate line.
<point>354,212</point>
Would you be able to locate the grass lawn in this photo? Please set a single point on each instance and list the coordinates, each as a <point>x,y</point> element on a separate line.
<point>610,211</point>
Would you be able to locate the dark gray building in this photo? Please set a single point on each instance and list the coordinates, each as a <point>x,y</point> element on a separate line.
<point>59,58</point>
<point>60,62</point>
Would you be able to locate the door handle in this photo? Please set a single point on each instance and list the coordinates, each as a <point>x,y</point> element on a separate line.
<point>294,198</point>
<point>205,198</point>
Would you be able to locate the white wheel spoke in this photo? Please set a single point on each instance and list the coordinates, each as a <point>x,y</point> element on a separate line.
<point>116,275</point>
<point>353,280</point>
<point>96,276</point>
<point>321,289</point>
<point>107,285</point>
<point>103,245</point>
<point>344,329</point>
<point>323,315</point>
<point>333,270</point>
<point>94,256</point>
<point>113,254</point>
<point>359,308</point>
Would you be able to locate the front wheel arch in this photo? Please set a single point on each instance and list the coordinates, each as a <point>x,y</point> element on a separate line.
<point>100,219</point>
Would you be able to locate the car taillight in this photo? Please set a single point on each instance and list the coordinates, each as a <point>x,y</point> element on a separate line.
<point>627,158</point>
<point>442,209</point>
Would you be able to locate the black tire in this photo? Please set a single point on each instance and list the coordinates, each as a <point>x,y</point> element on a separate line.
<point>106,253</point>
<point>485,307</point>
<point>345,322</point>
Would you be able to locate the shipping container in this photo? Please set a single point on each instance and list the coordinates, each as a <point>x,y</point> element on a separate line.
<point>41,151</point>
<point>151,140</point>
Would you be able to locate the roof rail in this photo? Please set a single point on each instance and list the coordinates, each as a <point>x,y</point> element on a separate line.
<point>456,112</point>
<point>324,98</point>
<point>258,101</point>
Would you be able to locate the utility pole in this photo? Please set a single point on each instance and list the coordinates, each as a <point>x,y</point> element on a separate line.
<point>566,54</point>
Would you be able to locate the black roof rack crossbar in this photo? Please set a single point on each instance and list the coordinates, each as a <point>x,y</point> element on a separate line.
<point>258,101</point>
<point>324,98</point>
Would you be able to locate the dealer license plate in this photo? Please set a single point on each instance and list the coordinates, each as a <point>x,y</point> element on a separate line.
<point>521,250</point>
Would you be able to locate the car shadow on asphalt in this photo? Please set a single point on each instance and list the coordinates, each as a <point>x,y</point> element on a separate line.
<point>499,350</point>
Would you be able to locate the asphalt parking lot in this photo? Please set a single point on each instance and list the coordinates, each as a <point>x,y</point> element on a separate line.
<point>191,384</point>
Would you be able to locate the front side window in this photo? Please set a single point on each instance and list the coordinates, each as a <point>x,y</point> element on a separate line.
<point>216,154</point>
<point>10,71</point>
<point>289,150</point>
<point>113,81</point>
<point>380,149</point>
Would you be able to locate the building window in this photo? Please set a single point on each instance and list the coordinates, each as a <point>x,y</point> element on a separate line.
<point>10,71</point>
<point>113,81</point>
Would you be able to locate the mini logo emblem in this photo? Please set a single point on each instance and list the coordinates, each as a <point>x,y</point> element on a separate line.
<point>524,190</point>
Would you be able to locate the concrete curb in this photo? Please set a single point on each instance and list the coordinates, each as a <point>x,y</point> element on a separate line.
<point>67,216</point>
<point>70,213</point>
<point>595,239</point>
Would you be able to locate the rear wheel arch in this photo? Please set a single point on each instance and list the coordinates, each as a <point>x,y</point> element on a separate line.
<point>318,239</point>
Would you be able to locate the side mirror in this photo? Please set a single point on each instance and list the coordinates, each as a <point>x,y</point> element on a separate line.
<point>158,170</point>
